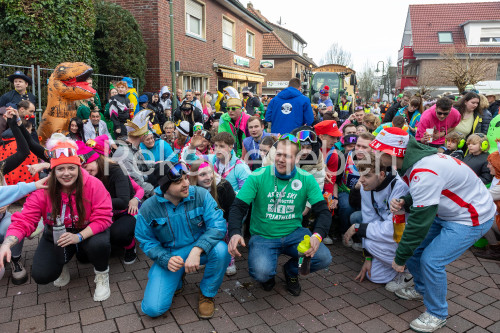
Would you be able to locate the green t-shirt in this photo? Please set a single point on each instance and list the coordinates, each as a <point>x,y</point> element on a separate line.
<point>271,219</point>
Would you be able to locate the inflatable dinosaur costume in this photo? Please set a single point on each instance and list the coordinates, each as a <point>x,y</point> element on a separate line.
<point>67,84</point>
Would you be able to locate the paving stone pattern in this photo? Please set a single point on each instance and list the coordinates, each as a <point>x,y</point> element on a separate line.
<point>330,301</point>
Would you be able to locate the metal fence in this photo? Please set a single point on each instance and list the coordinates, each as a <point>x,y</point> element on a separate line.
<point>40,77</point>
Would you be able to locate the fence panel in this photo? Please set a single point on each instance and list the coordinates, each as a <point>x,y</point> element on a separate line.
<point>40,77</point>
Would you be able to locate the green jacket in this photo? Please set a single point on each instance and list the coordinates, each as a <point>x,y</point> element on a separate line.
<point>238,130</point>
<point>420,219</point>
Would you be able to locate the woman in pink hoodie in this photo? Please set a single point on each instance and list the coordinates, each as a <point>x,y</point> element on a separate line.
<point>440,119</point>
<point>76,211</point>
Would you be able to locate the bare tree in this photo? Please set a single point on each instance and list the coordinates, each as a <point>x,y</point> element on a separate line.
<point>336,55</point>
<point>367,82</point>
<point>427,81</point>
<point>463,68</point>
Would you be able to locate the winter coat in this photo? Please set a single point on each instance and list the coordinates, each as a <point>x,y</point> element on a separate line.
<point>120,188</point>
<point>195,117</point>
<point>289,110</point>
<point>133,98</point>
<point>391,112</point>
<point>161,227</point>
<point>97,206</point>
<point>493,108</point>
<point>479,164</point>
<point>89,131</point>
<point>13,97</point>
<point>165,103</point>
<point>161,151</point>
<point>119,112</point>
<point>238,130</point>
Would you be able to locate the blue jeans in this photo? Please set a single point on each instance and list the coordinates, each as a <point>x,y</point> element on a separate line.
<point>445,242</point>
<point>345,210</point>
<point>264,252</point>
<point>163,283</point>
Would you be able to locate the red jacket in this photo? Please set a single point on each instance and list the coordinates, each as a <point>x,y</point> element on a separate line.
<point>97,203</point>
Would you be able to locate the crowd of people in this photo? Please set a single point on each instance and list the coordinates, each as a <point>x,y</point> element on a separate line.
<point>406,185</point>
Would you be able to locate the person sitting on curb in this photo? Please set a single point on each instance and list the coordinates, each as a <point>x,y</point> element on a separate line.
<point>178,246</point>
<point>374,223</point>
<point>450,209</point>
<point>278,194</point>
<point>225,162</point>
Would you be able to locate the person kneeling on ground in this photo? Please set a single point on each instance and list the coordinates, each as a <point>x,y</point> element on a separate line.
<point>374,224</point>
<point>278,194</point>
<point>181,228</point>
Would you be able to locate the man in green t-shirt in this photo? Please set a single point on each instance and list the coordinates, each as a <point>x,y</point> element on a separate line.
<point>278,194</point>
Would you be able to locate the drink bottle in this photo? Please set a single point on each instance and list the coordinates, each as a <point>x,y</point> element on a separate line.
<point>58,229</point>
<point>304,262</point>
<point>398,221</point>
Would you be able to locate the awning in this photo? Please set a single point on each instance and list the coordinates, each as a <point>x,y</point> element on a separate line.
<point>242,75</point>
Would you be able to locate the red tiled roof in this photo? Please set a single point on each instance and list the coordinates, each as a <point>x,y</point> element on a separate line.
<point>273,45</point>
<point>428,20</point>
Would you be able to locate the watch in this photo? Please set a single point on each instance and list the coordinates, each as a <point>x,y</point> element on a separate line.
<point>356,227</point>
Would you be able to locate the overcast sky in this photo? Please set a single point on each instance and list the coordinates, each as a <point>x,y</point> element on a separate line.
<point>370,29</point>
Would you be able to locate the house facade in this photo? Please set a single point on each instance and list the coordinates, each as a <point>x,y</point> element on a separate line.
<point>470,29</point>
<point>217,43</point>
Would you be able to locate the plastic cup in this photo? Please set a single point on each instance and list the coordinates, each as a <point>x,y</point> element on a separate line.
<point>429,131</point>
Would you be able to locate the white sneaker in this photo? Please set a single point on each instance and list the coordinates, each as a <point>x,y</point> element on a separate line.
<point>101,280</point>
<point>400,281</point>
<point>409,293</point>
<point>357,247</point>
<point>231,269</point>
<point>64,278</point>
<point>427,323</point>
<point>327,240</point>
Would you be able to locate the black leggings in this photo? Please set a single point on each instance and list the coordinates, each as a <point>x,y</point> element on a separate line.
<point>122,230</point>
<point>49,259</point>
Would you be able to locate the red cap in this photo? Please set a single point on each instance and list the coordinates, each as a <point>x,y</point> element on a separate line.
<point>328,127</point>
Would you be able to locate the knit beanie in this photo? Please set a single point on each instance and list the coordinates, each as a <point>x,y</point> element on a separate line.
<point>62,150</point>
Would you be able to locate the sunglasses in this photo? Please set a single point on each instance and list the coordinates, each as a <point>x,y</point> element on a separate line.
<point>291,138</point>
<point>185,109</point>
<point>442,113</point>
<point>309,136</point>
<point>68,152</point>
<point>232,108</point>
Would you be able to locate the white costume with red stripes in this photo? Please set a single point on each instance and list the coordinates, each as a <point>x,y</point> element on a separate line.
<point>449,183</point>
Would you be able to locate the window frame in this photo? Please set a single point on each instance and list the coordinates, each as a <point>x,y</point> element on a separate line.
<point>233,33</point>
<point>250,33</point>
<point>187,17</point>
<point>445,32</point>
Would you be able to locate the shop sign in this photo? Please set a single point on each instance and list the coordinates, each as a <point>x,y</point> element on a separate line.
<point>267,64</point>
<point>277,84</point>
<point>240,61</point>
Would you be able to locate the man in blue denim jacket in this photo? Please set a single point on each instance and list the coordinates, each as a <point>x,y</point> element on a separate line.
<point>181,228</point>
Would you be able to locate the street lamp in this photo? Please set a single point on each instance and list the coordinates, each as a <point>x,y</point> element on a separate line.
<point>383,67</point>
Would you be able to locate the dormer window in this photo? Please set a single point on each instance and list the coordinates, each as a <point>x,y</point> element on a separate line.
<point>490,35</point>
<point>445,37</point>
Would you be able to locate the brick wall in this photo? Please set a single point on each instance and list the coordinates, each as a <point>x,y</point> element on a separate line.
<point>194,55</point>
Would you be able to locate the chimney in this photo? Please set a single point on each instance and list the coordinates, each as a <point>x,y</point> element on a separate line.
<point>249,5</point>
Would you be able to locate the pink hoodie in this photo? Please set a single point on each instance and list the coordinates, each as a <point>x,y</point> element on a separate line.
<point>97,203</point>
<point>429,119</point>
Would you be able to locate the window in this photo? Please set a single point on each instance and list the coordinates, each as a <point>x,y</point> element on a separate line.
<point>227,34</point>
<point>498,72</point>
<point>298,47</point>
<point>445,37</point>
<point>195,24</point>
<point>195,83</point>
<point>490,35</point>
<point>250,44</point>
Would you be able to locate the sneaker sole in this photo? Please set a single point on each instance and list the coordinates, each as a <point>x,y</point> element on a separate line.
<point>102,298</point>
<point>409,299</point>
<point>129,262</point>
<point>20,281</point>
<point>428,330</point>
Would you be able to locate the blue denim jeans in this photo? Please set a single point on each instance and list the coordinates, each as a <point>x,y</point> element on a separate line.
<point>163,283</point>
<point>264,252</point>
<point>445,242</point>
<point>345,210</point>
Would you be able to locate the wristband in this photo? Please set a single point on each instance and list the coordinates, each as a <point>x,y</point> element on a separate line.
<point>80,237</point>
<point>138,199</point>
<point>368,258</point>
<point>318,236</point>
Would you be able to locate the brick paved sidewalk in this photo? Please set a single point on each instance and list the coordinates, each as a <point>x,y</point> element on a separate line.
<point>330,301</point>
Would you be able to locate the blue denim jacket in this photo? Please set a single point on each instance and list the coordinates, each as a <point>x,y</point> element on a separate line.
<point>161,227</point>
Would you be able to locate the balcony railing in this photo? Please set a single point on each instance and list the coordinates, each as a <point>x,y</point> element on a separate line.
<point>406,53</point>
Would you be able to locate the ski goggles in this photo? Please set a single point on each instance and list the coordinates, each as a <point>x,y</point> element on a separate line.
<point>307,136</point>
<point>174,174</point>
<point>68,152</point>
<point>197,128</point>
<point>291,138</point>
